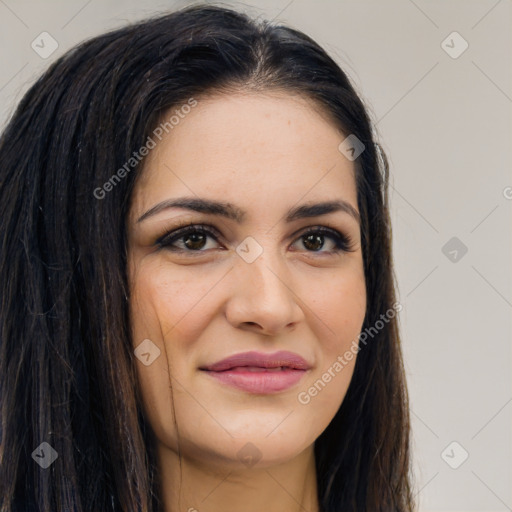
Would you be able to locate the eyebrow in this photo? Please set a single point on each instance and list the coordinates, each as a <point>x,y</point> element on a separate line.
<point>232,212</point>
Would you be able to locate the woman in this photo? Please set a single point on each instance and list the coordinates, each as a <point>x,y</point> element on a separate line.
<point>198,307</point>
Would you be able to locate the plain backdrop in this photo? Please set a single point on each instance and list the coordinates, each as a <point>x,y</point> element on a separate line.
<point>437,78</point>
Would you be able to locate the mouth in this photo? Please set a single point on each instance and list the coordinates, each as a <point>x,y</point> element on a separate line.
<point>259,373</point>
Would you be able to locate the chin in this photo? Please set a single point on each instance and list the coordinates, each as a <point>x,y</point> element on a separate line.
<point>249,448</point>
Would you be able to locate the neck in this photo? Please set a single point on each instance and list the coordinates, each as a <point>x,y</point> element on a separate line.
<point>192,486</point>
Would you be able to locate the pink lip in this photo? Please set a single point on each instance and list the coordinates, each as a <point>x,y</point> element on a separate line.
<point>260,373</point>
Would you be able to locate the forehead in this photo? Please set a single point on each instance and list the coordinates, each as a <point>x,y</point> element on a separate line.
<point>274,145</point>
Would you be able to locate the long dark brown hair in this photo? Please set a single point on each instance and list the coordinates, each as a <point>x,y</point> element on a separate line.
<point>67,370</point>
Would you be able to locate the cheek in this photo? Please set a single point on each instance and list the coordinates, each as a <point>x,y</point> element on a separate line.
<point>170,312</point>
<point>339,308</point>
<point>168,302</point>
<point>341,305</point>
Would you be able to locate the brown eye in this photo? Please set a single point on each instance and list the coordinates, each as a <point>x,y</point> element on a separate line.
<point>194,240</point>
<point>314,240</point>
<point>187,239</point>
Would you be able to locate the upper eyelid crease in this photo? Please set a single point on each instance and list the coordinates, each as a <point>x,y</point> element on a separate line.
<point>232,212</point>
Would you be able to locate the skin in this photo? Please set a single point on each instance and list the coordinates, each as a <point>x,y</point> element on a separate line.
<point>264,153</point>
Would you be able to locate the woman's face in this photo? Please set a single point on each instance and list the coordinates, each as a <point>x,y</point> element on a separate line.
<point>261,288</point>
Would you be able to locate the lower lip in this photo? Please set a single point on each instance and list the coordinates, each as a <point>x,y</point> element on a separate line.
<point>260,382</point>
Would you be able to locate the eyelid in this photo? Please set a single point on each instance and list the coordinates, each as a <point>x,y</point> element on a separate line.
<point>350,240</point>
<point>340,237</point>
<point>184,227</point>
<point>348,243</point>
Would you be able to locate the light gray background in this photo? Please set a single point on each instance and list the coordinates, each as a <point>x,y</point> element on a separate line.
<point>446,126</point>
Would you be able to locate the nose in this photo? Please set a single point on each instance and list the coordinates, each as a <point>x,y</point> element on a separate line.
<point>265,299</point>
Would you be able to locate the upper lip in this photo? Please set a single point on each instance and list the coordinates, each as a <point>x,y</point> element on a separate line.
<point>258,359</point>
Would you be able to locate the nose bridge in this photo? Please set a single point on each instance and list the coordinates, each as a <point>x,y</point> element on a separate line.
<point>264,292</point>
<point>256,258</point>
<point>270,282</point>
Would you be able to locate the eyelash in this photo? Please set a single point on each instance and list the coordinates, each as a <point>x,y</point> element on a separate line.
<point>343,242</point>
